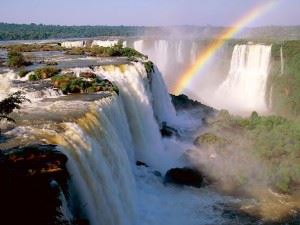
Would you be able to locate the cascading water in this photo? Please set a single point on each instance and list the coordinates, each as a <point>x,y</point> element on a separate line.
<point>100,159</point>
<point>162,104</point>
<point>244,88</point>
<point>103,138</point>
<point>136,95</point>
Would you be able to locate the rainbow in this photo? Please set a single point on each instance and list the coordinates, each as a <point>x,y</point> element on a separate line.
<point>204,57</point>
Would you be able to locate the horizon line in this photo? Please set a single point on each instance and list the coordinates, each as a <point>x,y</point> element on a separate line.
<point>147,26</point>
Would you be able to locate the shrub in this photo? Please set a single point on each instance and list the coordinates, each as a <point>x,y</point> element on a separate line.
<point>69,83</point>
<point>23,73</point>
<point>15,59</point>
<point>46,72</point>
<point>34,47</point>
<point>75,51</point>
<point>33,77</point>
<point>149,66</point>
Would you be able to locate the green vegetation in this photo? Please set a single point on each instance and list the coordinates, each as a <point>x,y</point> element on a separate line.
<point>69,83</point>
<point>285,87</point>
<point>33,77</point>
<point>208,139</point>
<point>98,51</point>
<point>75,51</point>
<point>272,140</point>
<point>34,47</point>
<point>9,104</point>
<point>22,73</point>
<point>16,59</point>
<point>149,67</point>
<point>40,31</point>
<point>46,72</point>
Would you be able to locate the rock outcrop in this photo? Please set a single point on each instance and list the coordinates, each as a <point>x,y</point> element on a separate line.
<point>32,180</point>
<point>184,176</point>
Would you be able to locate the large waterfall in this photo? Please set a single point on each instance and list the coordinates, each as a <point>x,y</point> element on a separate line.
<point>244,89</point>
<point>174,56</point>
<point>103,138</point>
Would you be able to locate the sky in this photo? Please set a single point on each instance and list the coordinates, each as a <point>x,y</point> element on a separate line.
<point>145,12</point>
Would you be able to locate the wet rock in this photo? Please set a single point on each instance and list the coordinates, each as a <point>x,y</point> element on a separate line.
<point>184,176</point>
<point>182,102</point>
<point>140,163</point>
<point>167,131</point>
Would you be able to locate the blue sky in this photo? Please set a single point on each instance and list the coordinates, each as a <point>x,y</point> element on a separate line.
<point>144,12</point>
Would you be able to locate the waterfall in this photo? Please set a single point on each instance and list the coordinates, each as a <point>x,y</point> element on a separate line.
<point>193,53</point>
<point>73,44</point>
<point>104,43</point>
<point>281,61</point>
<point>139,46</point>
<point>179,51</point>
<point>162,104</point>
<point>161,54</point>
<point>99,149</point>
<point>244,88</point>
<point>103,139</point>
<point>136,95</point>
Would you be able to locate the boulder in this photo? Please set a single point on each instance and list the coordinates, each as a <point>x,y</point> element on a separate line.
<point>184,176</point>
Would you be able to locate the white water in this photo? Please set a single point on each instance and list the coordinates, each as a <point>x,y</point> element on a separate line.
<point>104,43</point>
<point>137,99</point>
<point>245,86</point>
<point>73,44</point>
<point>162,105</point>
<point>99,162</point>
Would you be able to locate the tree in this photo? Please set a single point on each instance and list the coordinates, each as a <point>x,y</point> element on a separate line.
<point>9,104</point>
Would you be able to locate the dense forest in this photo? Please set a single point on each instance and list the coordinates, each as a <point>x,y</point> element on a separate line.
<point>39,31</point>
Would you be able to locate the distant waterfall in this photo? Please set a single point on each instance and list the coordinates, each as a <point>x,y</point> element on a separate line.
<point>281,61</point>
<point>244,88</point>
